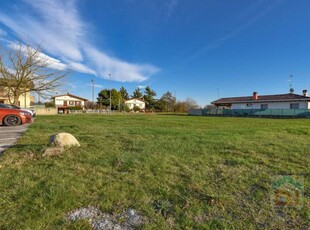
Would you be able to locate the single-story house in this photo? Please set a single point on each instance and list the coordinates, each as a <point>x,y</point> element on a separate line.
<point>65,101</point>
<point>277,101</point>
<point>135,102</point>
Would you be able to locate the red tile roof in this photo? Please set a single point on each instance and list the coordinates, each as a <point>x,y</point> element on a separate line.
<point>262,98</point>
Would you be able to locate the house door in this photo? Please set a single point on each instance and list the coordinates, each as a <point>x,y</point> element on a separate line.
<point>65,103</point>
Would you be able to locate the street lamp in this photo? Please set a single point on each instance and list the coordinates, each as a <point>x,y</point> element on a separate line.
<point>110,93</point>
<point>93,89</point>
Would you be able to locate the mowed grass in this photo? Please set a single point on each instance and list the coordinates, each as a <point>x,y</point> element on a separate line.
<point>178,171</point>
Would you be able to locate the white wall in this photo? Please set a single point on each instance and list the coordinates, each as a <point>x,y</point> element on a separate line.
<point>46,111</point>
<point>135,102</point>
<point>59,101</point>
<point>271,105</point>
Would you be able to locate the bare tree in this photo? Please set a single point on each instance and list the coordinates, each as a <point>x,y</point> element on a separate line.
<point>25,69</point>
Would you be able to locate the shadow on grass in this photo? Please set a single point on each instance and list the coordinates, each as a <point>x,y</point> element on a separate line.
<point>24,147</point>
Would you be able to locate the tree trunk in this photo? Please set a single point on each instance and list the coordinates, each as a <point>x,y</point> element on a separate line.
<point>16,97</point>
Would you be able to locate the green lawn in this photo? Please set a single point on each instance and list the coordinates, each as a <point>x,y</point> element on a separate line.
<point>178,171</point>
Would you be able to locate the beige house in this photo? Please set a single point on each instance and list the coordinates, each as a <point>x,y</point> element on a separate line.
<point>26,100</point>
<point>135,102</point>
<point>65,101</point>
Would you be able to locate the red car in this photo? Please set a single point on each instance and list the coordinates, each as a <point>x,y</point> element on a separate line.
<point>12,117</point>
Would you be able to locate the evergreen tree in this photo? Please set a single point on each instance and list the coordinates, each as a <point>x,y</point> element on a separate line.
<point>104,98</point>
<point>124,93</point>
<point>137,93</point>
<point>149,99</point>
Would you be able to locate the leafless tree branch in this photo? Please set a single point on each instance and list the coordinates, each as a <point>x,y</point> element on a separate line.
<point>25,69</point>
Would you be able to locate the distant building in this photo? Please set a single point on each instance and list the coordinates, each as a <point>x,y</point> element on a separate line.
<point>25,100</point>
<point>131,103</point>
<point>277,101</point>
<point>65,101</point>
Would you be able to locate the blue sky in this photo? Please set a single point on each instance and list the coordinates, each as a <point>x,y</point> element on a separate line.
<point>191,48</point>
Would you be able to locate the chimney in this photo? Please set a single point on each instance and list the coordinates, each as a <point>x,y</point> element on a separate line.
<point>255,96</point>
<point>305,93</point>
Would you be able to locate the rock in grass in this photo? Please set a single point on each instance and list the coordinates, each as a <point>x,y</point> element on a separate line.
<point>84,213</point>
<point>128,220</point>
<point>64,140</point>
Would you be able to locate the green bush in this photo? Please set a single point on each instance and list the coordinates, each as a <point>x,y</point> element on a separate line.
<point>136,108</point>
<point>50,104</point>
<point>127,109</point>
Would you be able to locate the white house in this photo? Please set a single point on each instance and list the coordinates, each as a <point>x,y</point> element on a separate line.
<point>135,102</point>
<point>65,101</point>
<point>277,101</point>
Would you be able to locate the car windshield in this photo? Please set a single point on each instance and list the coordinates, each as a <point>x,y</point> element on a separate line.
<point>5,106</point>
<point>14,106</point>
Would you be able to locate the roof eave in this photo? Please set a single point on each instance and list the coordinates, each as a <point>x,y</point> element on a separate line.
<point>259,101</point>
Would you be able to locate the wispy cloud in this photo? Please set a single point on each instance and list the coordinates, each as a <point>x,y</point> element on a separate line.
<point>58,27</point>
<point>249,22</point>
<point>171,5</point>
<point>119,70</point>
<point>50,62</point>
<point>79,67</point>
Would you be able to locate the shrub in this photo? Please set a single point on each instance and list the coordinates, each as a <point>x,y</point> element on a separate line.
<point>50,104</point>
<point>127,109</point>
<point>136,109</point>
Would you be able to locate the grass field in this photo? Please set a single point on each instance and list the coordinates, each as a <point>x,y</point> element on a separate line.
<point>178,171</point>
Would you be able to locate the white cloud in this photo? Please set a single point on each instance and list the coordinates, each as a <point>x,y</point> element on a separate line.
<point>119,70</point>
<point>56,37</point>
<point>57,26</point>
<point>79,67</point>
<point>141,86</point>
<point>51,62</point>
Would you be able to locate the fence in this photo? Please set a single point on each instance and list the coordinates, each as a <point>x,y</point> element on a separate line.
<point>252,112</point>
<point>102,111</point>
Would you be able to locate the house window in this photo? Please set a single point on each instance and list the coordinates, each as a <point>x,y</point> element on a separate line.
<point>71,102</point>
<point>264,106</point>
<point>294,106</point>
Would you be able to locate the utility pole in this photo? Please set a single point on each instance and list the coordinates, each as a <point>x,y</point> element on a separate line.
<point>110,94</point>
<point>93,89</point>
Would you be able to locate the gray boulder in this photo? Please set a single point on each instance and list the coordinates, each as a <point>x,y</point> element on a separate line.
<point>64,140</point>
